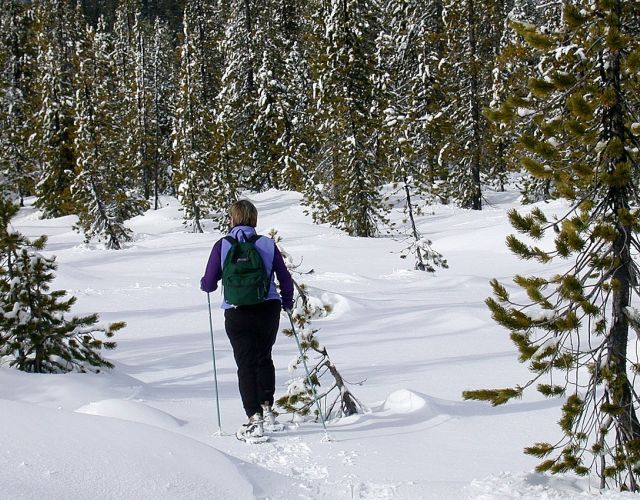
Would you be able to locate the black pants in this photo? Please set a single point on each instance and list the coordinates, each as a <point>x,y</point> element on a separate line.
<point>252,331</point>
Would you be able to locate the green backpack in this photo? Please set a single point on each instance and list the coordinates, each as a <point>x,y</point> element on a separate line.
<point>244,278</point>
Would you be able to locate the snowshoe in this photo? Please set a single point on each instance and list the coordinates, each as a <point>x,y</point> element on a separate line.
<point>270,424</point>
<point>253,431</point>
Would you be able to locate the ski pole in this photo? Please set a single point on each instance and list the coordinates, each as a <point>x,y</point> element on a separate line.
<point>313,389</point>
<point>215,372</point>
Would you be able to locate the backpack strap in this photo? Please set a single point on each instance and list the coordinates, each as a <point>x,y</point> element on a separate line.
<point>230,239</point>
<point>255,238</point>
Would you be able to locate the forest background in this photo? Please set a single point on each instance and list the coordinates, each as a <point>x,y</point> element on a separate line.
<point>106,106</point>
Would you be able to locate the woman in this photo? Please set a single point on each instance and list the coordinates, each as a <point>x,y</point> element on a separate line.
<point>252,329</point>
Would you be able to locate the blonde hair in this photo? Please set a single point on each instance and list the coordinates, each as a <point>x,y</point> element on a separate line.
<point>243,213</point>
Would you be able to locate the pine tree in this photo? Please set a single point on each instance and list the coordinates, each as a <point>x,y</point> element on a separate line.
<point>267,118</point>
<point>143,103</point>
<point>297,137</point>
<point>229,147</point>
<point>132,40</point>
<point>513,63</point>
<point>279,135</point>
<point>129,92</point>
<point>52,138</point>
<point>583,104</point>
<point>497,168</point>
<point>162,88</point>
<point>297,140</point>
<point>472,34</point>
<point>346,183</point>
<point>35,333</point>
<point>16,80</point>
<point>237,100</point>
<point>413,120</point>
<point>271,114</point>
<point>4,57</point>
<point>462,21</point>
<point>204,186</point>
<point>102,190</point>
<point>264,99</point>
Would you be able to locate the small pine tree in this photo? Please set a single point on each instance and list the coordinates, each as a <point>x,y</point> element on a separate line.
<point>427,259</point>
<point>425,256</point>
<point>35,334</point>
<point>335,396</point>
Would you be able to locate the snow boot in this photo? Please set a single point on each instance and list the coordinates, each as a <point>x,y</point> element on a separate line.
<point>253,432</point>
<point>270,422</point>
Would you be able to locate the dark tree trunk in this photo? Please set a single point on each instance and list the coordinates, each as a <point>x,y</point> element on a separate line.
<point>476,200</point>
<point>248,20</point>
<point>620,389</point>
<point>414,230</point>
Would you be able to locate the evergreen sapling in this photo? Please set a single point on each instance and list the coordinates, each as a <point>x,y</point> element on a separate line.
<point>427,259</point>
<point>36,335</point>
<point>334,395</point>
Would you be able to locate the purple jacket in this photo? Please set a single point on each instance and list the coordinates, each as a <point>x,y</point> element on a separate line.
<point>273,263</point>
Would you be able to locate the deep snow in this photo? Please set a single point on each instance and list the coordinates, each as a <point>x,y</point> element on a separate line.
<point>146,429</point>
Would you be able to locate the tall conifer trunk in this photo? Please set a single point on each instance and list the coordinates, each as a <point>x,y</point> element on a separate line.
<point>585,108</point>
<point>248,19</point>
<point>620,389</point>
<point>476,198</point>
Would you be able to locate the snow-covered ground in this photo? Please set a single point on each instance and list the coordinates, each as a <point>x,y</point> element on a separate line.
<point>146,430</point>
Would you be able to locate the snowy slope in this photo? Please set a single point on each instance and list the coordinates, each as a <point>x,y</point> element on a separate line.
<point>146,429</point>
<point>55,454</point>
